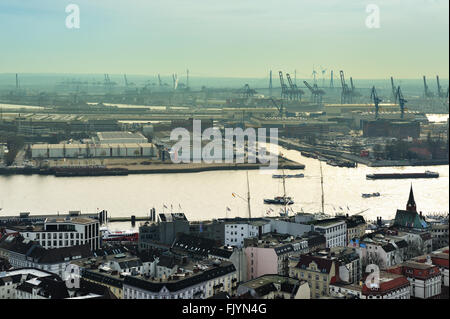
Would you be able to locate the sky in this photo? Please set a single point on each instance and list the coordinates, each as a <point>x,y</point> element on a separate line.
<point>228,38</point>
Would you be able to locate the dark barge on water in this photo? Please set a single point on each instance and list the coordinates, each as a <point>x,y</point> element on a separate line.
<point>89,171</point>
<point>427,174</point>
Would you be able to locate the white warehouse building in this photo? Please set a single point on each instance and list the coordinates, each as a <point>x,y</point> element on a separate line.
<point>93,150</point>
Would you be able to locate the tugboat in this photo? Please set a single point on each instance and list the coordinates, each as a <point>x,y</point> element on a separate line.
<point>371,195</point>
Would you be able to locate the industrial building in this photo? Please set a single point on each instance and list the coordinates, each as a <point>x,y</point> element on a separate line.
<point>387,128</point>
<point>118,138</point>
<point>93,150</point>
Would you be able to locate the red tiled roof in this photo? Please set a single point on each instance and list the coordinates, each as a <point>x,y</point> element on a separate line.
<point>441,262</point>
<point>387,286</point>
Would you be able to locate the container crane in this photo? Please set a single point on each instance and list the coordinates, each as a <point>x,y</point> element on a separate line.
<point>401,102</point>
<point>316,92</point>
<point>394,90</point>
<point>427,91</point>
<point>296,93</point>
<point>284,89</point>
<point>376,100</point>
<point>441,94</point>
<point>353,90</point>
<point>346,95</point>
<point>280,108</point>
<point>248,92</point>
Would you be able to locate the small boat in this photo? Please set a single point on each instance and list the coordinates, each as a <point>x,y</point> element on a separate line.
<point>279,200</point>
<point>289,176</point>
<point>365,195</point>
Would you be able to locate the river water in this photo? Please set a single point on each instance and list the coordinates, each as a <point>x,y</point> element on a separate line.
<point>207,195</point>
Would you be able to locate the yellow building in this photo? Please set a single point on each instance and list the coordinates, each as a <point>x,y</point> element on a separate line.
<point>317,271</point>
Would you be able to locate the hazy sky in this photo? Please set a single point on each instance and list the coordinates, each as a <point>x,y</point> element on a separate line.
<point>235,38</point>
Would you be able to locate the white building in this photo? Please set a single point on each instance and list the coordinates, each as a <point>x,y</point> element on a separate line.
<point>63,232</point>
<point>334,230</point>
<point>24,253</point>
<point>425,279</point>
<point>236,231</point>
<point>201,283</point>
<point>24,283</point>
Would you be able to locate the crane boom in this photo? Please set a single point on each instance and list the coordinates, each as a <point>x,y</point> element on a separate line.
<point>376,100</point>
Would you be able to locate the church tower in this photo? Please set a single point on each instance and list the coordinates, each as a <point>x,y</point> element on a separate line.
<point>411,205</point>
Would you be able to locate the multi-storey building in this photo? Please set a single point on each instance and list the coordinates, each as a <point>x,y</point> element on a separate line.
<point>239,229</point>
<point>204,280</point>
<point>424,278</point>
<point>334,230</point>
<point>22,253</point>
<point>320,272</point>
<point>63,232</point>
<point>269,254</point>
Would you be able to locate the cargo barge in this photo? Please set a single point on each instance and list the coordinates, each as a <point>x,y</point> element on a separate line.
<point>427,174</point>
<point>70,172</point>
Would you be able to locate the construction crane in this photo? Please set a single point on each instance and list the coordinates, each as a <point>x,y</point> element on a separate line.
<point>295,92</point>
<point>427,91</point>
<point>284,89</point>
<point>317,93</point>
<point>401,102</point>
<point>376,100</point>
<point>441,94</point>
<point>280,108</point>
<point>346,94</point>
<point>394,91</point>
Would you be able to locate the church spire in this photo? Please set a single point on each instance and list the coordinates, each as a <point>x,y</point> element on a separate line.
<point>411,205</point>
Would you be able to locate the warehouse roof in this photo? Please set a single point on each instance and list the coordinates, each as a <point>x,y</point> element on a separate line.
<point>124,135</point>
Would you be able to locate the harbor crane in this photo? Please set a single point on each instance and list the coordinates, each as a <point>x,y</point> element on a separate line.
<point>108,83</point>
<point>317,93</point>
<point>376,100</point>
<point>284,89</point>
<point>280,108</point>
<point>346,94</point>
<point>353,91</point>
<point>248,92</point>
<point>427,91</point>
<point>295,92</point>
<point>394,90</point>
<point>401,102</point>
<point>441,93</point>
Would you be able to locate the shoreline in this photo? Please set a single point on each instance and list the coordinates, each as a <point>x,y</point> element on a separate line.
<point>153,169</point>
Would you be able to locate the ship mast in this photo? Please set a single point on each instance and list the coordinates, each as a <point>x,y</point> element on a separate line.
<point>284,192</point>
<point>248,198</point>
<point>321,185</point>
